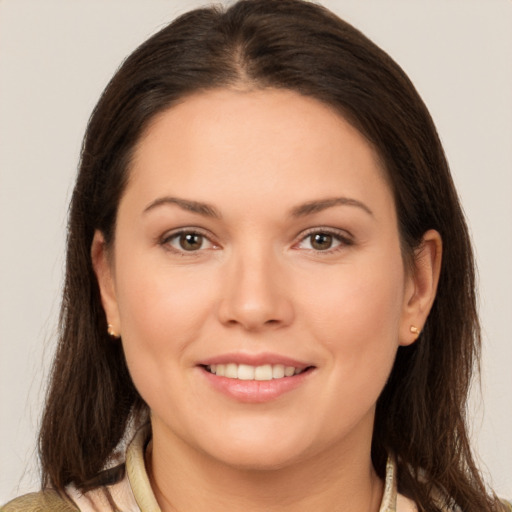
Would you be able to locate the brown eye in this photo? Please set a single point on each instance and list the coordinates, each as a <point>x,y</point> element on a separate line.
<point>324,241</point>
<point>321,241</point>
<point>191,241</point>
<point>187,242</point>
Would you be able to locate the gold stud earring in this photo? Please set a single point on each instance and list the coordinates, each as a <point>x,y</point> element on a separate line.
<point>111,332</point>
<point>414,330</point>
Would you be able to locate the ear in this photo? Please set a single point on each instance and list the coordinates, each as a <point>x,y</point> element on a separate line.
<point>421,286</point>
<point>103,268</point>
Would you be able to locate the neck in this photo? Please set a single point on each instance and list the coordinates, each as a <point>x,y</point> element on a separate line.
<point>342,479</point>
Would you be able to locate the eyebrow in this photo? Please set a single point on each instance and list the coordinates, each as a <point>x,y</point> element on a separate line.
<point>302,210</point>
<point>190,206</point>
<point>318,206</point>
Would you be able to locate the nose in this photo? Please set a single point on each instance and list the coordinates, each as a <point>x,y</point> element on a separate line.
<point>255,294</point>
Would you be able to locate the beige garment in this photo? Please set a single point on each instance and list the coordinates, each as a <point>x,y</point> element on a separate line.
<point>134,493</point>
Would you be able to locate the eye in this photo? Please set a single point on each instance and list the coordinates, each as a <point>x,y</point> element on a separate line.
<point>323,241</point>
<point>187,241</point>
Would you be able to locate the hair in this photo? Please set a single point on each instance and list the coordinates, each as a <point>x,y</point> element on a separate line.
<point>299,46</point>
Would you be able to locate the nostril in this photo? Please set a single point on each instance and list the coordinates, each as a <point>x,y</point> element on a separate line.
<point>255,308</point>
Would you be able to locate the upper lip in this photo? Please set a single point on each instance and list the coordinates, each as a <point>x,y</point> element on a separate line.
<point>254,360</point>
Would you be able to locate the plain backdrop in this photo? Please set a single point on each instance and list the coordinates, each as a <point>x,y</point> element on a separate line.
<point>56,56</point>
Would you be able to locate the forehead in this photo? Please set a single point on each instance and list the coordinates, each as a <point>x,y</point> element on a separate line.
<point>254,142</point>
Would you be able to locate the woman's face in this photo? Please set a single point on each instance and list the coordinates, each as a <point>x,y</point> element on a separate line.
<point>257,238</point>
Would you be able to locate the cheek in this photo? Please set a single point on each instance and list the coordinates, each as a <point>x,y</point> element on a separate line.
<point>161,312</point>
<point>358,303</point>
<point>155,296</point>
<point>357,318</point>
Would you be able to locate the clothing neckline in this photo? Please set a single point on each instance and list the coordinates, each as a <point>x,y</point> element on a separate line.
<point>145,498</point>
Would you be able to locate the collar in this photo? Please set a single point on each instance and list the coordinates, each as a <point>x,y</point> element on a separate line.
<point>143,493</point>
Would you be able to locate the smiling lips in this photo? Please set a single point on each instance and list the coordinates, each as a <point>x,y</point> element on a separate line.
<point>255,379</point>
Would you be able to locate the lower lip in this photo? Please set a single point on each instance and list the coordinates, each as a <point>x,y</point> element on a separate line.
<point>255,391</point>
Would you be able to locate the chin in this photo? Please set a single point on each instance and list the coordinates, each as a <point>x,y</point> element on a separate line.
<point>258,453</point>
<point>252,460</point>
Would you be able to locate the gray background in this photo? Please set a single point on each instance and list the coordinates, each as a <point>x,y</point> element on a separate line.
<point>57,55</point>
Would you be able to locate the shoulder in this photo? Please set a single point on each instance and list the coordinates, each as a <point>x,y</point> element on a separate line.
<point>44,501</point>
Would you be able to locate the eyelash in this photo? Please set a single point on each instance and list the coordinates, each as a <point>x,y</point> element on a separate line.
<point>343,238</point>
<point>166,239</point>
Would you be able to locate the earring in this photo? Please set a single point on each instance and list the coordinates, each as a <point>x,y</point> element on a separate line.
<point>111,332</point>
<point>415,330</point>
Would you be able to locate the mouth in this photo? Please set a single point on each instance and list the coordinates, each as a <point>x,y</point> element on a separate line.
<point>255,378</point>
<point>265,372</point>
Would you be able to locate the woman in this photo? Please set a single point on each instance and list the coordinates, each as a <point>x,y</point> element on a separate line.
<point>270,287</point>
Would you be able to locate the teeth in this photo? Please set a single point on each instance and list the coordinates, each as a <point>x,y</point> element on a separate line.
<point>289,371</point>
<point>278,371</point>
<point>263,372</point>
<point>245,372</point>
<point>231,371</point>
<point>248,372</point>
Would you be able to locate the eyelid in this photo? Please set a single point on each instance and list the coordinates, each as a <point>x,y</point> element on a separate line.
<point>341,235</point>
<point>344,238</point>
<point>164,239</point>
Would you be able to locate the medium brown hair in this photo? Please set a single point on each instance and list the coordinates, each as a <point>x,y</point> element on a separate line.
<point>300,46</point>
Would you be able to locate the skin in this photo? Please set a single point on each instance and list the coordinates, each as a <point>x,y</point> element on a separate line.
<point>256,284</point>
